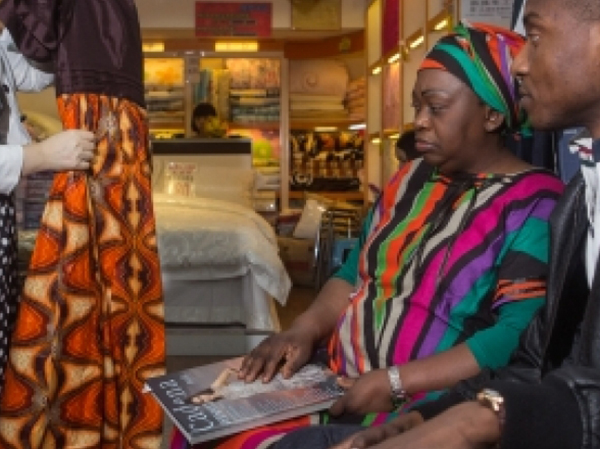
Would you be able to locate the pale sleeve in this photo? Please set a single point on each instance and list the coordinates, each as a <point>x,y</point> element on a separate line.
<point>11,163</point>
<point>27,77</point>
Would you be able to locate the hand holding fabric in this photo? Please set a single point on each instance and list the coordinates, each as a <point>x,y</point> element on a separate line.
<point>68,150</point>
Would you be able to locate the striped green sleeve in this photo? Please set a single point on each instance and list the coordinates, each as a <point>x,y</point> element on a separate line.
<point>349,269</point>
<point>492,347</point>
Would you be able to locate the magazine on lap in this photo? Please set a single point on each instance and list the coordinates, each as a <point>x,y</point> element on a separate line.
<point>208,402</point>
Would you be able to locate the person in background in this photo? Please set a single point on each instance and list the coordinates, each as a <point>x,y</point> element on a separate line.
<point>549,395</point>
<point>90,328</point>
<point>199,115</point>
<point>19,157</point>
<point>451,264</point>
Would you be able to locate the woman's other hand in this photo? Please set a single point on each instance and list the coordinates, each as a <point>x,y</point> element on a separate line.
<point>287,352</point>
<point>371,392</point>
<point>72,149</point>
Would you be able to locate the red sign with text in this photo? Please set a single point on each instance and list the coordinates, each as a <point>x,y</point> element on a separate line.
<point>220,19</point>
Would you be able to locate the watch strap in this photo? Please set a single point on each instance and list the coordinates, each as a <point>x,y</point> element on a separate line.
<point>398,393</point>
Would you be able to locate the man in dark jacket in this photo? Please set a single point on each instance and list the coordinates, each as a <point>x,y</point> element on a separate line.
<point>549,397</point>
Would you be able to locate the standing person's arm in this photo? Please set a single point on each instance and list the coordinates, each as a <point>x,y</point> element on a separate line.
<point>68,150</point>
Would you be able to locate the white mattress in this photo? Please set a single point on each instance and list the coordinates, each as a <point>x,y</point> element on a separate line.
<point>206,239</point>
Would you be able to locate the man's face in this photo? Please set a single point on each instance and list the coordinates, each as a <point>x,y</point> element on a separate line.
<point>559,67</point>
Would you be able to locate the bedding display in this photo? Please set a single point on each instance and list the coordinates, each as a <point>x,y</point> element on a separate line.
<point>236,302</point>
<point>209,239</point>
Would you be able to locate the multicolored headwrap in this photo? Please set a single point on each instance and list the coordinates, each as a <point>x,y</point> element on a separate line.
<point>480,55</point>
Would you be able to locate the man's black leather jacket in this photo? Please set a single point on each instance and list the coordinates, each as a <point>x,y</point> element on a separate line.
<point>557,365</point>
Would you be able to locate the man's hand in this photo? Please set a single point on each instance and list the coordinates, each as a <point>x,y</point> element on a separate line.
<point>377,434</point>
<point>371,392</point>
<point>68,150</point>
<point>466,426</point>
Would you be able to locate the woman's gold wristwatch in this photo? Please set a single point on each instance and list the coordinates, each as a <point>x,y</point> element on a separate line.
<point>493,400</point>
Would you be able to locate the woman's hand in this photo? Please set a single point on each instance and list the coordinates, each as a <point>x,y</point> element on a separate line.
<point>72,149</point>
<point>371,392</point>
<point>287,352</point>
<point>377,434</point>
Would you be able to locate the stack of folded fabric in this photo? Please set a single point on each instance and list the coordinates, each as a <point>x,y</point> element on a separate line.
<point>356,98</point>
<point>254,94</point>
<point>254,105</point>
<point>267,178</point>
<point>317,106</point>
<point>165,104</point>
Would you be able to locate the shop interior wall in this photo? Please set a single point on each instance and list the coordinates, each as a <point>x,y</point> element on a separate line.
<point>163,14</point>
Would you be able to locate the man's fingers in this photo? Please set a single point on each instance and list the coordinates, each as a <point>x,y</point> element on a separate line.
<point>369,437</point>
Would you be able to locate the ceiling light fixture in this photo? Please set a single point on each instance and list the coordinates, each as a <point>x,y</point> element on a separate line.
<point>416,42</point>
<point>393,58</point>
<point>357,126</point>
<point>441,24</point>
<point>153,47</point>
<point>236,46</point>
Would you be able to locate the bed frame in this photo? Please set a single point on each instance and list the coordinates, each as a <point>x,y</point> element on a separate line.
<point>227,338</point>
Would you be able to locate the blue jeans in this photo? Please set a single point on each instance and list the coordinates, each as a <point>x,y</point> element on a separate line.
<point>316,437</point>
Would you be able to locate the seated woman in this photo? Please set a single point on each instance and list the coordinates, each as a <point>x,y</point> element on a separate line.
<point>452,262</point>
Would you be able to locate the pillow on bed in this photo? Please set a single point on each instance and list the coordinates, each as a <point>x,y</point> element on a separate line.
<point>227,184</point>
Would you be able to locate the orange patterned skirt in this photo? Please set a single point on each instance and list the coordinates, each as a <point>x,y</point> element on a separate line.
<point>90,328</point>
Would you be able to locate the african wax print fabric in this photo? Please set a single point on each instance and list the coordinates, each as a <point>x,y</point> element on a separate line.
<point>90,327</point>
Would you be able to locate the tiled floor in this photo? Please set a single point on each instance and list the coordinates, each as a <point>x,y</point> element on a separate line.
<point>299,299</point>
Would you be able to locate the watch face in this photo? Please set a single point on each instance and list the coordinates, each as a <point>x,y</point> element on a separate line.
<point>490,398</point>
<point>492,394</point>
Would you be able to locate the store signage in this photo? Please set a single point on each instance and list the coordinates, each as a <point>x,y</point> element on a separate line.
<point>219,19</point>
